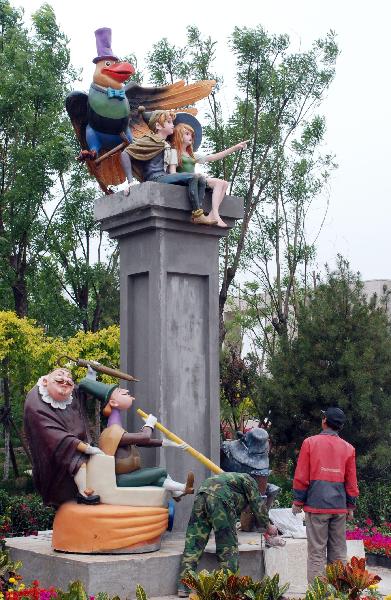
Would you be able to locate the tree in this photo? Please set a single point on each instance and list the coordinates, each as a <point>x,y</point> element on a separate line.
<point>279,94</point>
<point>27,353</point>
<point>166,63</point>
<point>50,267</point>
<point>341,355</point>
<point>83,267</point>
<point>236,405</point>
<point>284,170</point>
<point>33,141</point>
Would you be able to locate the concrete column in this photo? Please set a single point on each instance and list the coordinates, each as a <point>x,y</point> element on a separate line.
<point>169,319</point>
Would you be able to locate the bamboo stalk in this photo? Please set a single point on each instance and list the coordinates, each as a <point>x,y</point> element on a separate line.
<point>200,457</point>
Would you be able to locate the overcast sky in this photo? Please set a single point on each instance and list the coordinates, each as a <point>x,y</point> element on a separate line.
<point>357,108</point>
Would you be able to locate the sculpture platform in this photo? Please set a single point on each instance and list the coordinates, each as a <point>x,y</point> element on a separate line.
<point>156,571</point>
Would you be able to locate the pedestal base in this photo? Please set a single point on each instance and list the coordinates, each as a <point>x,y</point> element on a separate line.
<point>157,572</point>
<point>107,528</point>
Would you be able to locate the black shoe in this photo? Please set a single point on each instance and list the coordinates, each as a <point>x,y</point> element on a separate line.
<point>94,499</point>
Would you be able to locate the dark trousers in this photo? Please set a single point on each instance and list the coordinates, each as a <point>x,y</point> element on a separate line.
<point>195,184</point>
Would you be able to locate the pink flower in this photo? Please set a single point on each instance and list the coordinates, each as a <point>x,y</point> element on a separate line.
<point>368,522</point>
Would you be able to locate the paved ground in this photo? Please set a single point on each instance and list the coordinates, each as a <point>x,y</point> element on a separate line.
<point>385,574</point>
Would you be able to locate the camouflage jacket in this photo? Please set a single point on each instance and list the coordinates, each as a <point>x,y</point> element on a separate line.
<point>237,491</point>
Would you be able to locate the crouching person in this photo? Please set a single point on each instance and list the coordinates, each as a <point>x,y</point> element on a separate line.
<point>217,506</point>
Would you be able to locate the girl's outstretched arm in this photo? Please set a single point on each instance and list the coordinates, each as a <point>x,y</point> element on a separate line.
<point>226,152</point>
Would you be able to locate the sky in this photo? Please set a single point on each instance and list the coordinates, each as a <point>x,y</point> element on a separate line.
<point>357,107</point>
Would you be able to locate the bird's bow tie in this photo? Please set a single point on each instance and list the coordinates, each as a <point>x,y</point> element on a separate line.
<point>116,93</point>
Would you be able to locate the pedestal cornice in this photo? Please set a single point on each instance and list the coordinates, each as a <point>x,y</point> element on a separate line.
<point>159,206</point>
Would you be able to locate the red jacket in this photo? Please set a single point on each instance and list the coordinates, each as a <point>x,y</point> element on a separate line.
<point>325,479</point>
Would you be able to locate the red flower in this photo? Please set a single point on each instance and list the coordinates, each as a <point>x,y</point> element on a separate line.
<point>368,522</point>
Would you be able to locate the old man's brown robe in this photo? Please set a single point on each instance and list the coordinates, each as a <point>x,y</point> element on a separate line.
<point>53,435</point>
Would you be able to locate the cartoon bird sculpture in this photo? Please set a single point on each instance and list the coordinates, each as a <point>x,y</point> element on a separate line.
<point>107,117</point>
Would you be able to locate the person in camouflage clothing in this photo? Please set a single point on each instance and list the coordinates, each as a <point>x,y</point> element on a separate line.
<point>217,505</point>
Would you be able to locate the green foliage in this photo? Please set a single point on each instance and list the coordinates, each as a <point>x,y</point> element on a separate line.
<point>320,590</point>
<point>33,138</point>
<point>76,591</point>
<point>279,93</point>
<point>140,593</point>
<point>374,502</point>
<point>224,585</point>
<point>236,406</point>
<point>166,63</point>
<point>340,355</point>
<point>8,568</point>
<point>26,352</point>
<point>24,515</point>
<point>87,284</point>
<point>47,265</point>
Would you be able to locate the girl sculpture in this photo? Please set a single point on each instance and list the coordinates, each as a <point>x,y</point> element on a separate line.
<point>185,140</point>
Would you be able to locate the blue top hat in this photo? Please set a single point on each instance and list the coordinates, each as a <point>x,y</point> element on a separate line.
<point>103,45</point>
<point>188,119</point>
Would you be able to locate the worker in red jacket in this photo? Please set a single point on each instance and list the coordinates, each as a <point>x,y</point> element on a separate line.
<point>325,486</point>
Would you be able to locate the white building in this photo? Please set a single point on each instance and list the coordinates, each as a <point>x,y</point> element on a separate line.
<point>379,288</point>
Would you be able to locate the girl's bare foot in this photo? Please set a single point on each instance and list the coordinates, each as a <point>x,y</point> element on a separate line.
<point>203,220</point>
<point>221,223</point>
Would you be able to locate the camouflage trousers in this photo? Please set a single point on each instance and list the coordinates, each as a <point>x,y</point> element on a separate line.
<point>210,513</point>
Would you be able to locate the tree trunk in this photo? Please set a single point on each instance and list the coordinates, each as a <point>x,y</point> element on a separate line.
<point>19,290</point>
<point>7,436</point>
<point>6,467</point>
<point>13,460</point>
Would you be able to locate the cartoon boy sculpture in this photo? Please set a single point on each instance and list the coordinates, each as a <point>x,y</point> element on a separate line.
<point>56,428</point>
<point>115,441</point>
<point>152,159</point>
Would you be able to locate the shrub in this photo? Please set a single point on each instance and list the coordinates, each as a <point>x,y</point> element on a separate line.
<point>24,515</point>
<point>374,502</point>
<point>224,585</point>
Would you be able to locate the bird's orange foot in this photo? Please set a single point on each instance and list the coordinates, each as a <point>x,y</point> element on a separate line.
<point>86,155</point>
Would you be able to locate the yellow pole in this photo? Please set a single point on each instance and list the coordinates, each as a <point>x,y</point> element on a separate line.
<point>205,461</point>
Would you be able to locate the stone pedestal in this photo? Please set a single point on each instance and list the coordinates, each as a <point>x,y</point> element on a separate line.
<point>169,318</point>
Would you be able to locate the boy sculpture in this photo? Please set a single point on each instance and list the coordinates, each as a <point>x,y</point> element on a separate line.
<point>152,159</point>
<point>115,441</point>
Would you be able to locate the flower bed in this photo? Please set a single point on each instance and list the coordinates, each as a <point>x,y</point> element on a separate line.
<point>377,540</point>
<point>24,516</point>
